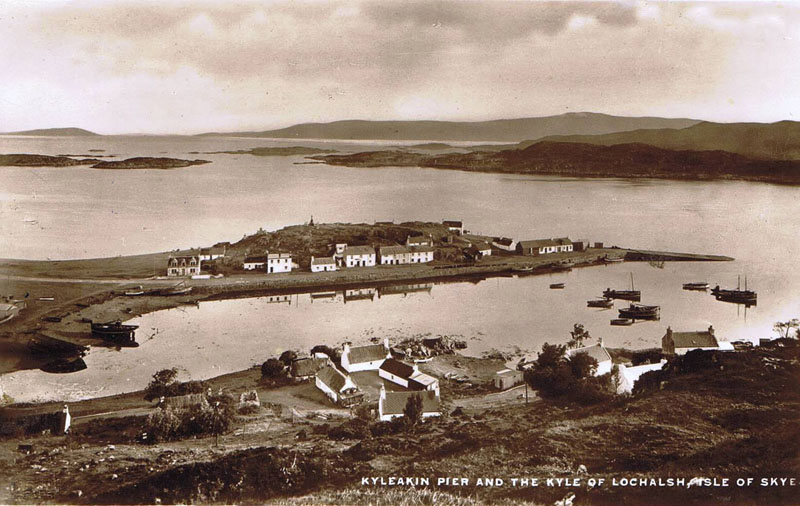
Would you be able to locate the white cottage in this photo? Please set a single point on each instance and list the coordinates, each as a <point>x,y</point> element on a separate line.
<point>338,387</point>
<point>323,264</point>
<point>359,256</point>
<point>255,263</point>
<point>545,246</point>
<point>628,376</point>
<point>398,255</point>
<point>392,404</point>
<point>365,358</point>
<point>597,352</point>
<point>407,376</point>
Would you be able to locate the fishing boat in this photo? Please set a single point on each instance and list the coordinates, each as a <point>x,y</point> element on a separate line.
<point>700,286</point>
<point>556,286</point>
<point>739,296</point>
<point>527,268</point>
<point>613,260</point>
<point>134,291</point>
<point>114,331</point>
<point>179,289</point>
<point>47,299</point>
<point>632,295</point>
<point>604,303</point>
<point>621,321</point>
<point>640,312</point>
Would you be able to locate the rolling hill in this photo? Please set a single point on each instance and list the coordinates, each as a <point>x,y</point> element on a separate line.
<point>768,141</point>
<point>56,132</point>
<point>503,130</point>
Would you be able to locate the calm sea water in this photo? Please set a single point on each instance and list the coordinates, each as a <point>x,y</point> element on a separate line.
<point>79,212</point>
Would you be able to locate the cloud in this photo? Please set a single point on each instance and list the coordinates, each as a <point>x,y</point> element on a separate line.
<point>215,65</point>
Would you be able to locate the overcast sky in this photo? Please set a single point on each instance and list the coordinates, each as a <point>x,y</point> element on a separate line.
<point>180,67</point>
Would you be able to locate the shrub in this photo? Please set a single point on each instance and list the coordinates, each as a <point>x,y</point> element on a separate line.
<point>272,368</point>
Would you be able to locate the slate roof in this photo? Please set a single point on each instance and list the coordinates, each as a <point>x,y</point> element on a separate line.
<point>508,372</point>
<point>452,223</point>
<point>367,353</point>
<point>394,250</point>
<point>272,256</point>
<point>541,243</point>
<point>423,249</point>
<point>421,380</point>
<point>395,402</point>
<point>332,377</point>
<point>323,261</point>
<point>397,368</point>
<point>702,339</point>
<point>255,260</point>
<point>596,351</point>
<point>359,250</point>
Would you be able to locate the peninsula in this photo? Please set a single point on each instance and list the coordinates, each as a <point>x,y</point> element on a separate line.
<point>30,160</point>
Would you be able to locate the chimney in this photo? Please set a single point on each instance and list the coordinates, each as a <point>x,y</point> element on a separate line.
<point>669,332</point>
<point>600,341</point>
<point>711,329</point>
<point>383,392</point>
<point>386,342</point>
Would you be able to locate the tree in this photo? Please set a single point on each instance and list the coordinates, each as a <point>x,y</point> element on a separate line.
<point>287,357</point>
<point>412,413</point>
<point>160,384</point>
<point>271,368</point>
<point>579,335</point>
<point>783,328</point>
<point>582,365</point>
<point>551,356</point>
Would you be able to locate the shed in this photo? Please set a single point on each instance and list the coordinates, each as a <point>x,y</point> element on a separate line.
<point>507,378</point>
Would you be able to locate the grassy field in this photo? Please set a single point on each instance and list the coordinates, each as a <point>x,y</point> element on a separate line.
<point>723,415</point>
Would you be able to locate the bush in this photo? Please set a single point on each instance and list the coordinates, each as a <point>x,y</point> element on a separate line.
<point>164,384</point>
<point>168,424</point>
<point>555,376</point>
<point>272,368</point>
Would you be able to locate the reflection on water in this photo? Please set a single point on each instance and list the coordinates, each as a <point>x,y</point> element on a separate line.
<point>504,313</point>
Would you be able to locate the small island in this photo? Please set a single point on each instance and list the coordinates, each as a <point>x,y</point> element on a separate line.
<point>274,151</point>
<point>25,160</point>
<point>146,162</point>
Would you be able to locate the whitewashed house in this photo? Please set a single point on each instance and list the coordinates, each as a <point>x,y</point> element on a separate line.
<point>504,243</point>
<point>359,256</point>
<point>398,255</point>
<point>507,378</point>
<point>680,343</point>
<point>183,266</point>
<point>212,253</point>
<point>544,246</point>
<point>418,240</point>
<point>484,249</point>
<point>279,262</point>
<point>365,358</point>
<point>323,264</point>
<point>392,404</point>
<point>341,389</point>
<point>628,376</point>
<point>597,352</point>
<point>255,263</point>
<point>407,376</point>
<point>454,226</point>
<point>308,367</point>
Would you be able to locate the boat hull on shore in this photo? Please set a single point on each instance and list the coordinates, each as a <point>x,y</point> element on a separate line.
<point>640,312</point>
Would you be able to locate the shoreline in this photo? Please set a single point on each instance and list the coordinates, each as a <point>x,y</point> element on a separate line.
<point>102,300</point>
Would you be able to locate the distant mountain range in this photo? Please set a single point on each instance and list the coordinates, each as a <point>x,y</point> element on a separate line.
<point>503,130</point>
<point>56,132</point>
<point>767,141</point>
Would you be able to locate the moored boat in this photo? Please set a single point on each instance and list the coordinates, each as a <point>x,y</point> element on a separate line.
<point>622,321</point>
<point>604,303</point>
<point>134,291</point>
<point>114,331</point>
<point>640,312</point>
<point>738,296</point>
<point>700,286</point>
<point>556,286</point>
<point>631,295</point>
<point>175,290</point>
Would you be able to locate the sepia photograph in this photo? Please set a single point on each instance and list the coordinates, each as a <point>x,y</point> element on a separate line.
<point>395,253</point>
